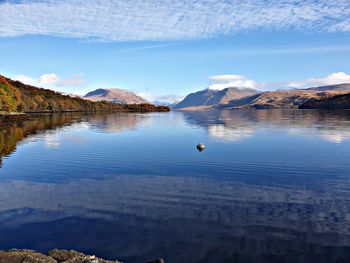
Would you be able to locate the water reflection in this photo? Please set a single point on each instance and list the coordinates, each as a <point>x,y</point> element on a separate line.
<point>277,196</point>
<point>236,125</point>
<point>11,135</point>
<point>49,123</point>
<point>115,122</point>
<point>226,125</point>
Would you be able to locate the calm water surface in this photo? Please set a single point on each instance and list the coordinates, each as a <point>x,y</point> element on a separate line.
<point>271,186</point>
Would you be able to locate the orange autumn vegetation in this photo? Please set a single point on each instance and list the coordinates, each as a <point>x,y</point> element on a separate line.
<point>18,97</point>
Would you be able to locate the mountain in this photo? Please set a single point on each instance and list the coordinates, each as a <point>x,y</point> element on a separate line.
<point>213,98</point>
<point>332,103</point>
<point>281,99</point>
<point>18,97</point>
<point>288,98</point>
<point>115,95</point>
<point>252,99</point>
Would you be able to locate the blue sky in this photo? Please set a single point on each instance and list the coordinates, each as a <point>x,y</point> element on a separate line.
<point>163,47</point>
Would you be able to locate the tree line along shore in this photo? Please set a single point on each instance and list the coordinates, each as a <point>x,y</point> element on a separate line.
<point>17,98</point>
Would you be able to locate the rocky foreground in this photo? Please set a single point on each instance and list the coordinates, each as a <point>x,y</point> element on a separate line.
<point>53,256</point>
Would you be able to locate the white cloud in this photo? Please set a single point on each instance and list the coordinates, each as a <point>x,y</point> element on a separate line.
<point>48,79</point>
<point>124,20</point>
<point>26,80</point>
<point>331,79</point>
<point>225,78</point>
<point>221,82</point>
<point>52,80</point>
<point>43,80</point>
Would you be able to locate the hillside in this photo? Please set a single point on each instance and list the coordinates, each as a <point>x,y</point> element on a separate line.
<point>10,97</point>
<point>213,98</point>
<point>18,97</point>
<point>114,95</point>
<point>336,102</point>
<point>282,99</point>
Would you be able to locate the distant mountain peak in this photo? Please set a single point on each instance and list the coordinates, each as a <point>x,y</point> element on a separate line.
<point>214,97</point>
<point>100,92</point>
<point>115,95</point>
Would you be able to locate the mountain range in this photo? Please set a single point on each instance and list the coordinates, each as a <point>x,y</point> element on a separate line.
<point>16,96</point>
<point>248,98</point>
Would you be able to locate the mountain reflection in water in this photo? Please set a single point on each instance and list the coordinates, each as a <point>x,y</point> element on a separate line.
<point>272,185</point>
<point>230,125</point>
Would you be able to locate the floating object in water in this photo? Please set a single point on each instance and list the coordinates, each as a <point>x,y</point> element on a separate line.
<point>159,260</point>
<point>200,147</point>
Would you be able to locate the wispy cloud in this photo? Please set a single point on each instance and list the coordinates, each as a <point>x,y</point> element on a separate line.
<point>220,82</point>
<point>283,51</point>
<point>147,47</point>
<point>48,79</point>
<point>124,20</point>
<point>75,80</point>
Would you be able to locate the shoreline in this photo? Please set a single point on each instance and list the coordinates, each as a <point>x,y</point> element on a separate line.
<point>8,118</point>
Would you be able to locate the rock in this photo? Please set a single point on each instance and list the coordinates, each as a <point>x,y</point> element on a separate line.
<point>25,256</point>
<point>55,256</point>
<point>31,259</point>
<point>64,255</point>
<point>72,256</point>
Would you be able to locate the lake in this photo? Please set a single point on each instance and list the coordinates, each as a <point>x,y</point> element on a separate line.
<point>271,185</point>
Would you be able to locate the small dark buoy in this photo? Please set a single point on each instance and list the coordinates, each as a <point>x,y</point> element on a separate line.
<point>159,260</point>
<point>200,147</point>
